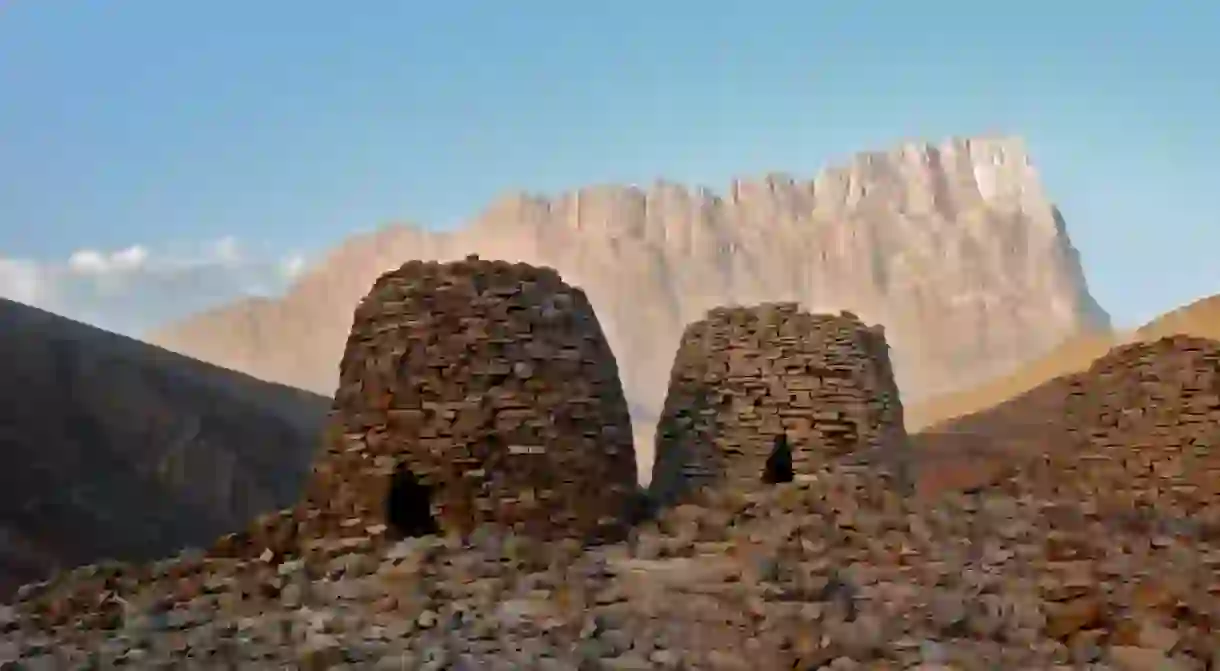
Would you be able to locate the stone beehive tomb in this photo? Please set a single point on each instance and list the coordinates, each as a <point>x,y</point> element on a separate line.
<point>476,392</point>
<point>1137,433</point>
<point>1142,429</point>
<point>766,393</point>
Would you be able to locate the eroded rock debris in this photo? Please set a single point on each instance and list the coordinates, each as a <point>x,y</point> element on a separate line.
<point>836,572</point>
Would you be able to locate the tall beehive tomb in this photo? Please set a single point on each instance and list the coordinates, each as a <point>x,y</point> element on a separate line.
<point>477,392</point>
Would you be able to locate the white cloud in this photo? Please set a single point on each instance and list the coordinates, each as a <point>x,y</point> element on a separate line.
<point>292,266</point>
<point>135,289</point>
<point>91,261</point>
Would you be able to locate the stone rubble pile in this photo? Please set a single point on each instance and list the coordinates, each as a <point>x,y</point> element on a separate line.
<point>837,572</point>
<point>749,380</point>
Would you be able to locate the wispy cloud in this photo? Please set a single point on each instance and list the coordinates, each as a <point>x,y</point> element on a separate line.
<point>135,289</point>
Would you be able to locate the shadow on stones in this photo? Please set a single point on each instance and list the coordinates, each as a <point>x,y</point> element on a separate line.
<point>778,467</point>
<point>686,459</point>
<point>643,507</point>
<point>409,506</point>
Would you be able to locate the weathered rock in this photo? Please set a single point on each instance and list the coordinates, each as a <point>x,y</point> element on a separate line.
<point>769,393</point>
<point>856,574</point>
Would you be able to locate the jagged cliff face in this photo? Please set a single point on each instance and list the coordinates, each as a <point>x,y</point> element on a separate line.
<point>954,248</point>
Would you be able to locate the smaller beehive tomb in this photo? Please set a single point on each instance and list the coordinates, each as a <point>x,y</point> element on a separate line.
<point>476,392</point>
<point>1143,430</point>
<point>764,394</point>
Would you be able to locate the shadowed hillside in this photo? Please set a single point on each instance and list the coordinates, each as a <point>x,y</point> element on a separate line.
<point>115,448</point>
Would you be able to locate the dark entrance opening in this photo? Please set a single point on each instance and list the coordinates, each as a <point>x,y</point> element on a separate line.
<point>779,463</point>
<point>409,506</point>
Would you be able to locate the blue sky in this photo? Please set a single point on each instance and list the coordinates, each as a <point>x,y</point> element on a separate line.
<point>207,131</point>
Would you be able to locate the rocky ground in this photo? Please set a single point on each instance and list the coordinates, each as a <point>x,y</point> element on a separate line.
<point>840,572</point>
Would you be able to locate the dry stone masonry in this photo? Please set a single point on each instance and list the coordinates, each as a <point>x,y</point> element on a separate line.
<point>477,392</point>
<point>1137,434</point>
<point>770,392</point>
<point>1143,428</point>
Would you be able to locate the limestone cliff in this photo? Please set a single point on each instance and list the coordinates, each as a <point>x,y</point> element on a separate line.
<point>954,247</point>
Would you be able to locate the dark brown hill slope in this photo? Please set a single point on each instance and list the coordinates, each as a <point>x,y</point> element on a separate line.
<point>115,448</point>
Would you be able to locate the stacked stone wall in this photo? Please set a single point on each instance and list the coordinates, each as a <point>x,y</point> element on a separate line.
<point>747,381</point>
<point>1144,430</point>
<point>493,385</point>
<point>1138,433</point>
